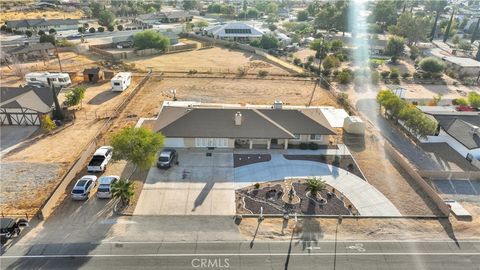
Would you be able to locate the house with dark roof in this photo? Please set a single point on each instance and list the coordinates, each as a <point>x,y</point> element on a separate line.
<point>28,52</point>
<point>24,105</point>
<point>35,25</point>
<point>199,125</point>
<point>460,130</point>
<point>151,19</point>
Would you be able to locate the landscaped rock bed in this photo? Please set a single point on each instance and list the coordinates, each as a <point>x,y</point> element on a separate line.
<point>276,198</point>
<point>247,159</point>
<point>346,162</point>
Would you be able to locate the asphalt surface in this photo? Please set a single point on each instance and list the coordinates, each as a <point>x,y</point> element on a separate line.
<point>246,255</point>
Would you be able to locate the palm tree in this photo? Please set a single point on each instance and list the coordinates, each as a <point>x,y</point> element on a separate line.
<point>123,189</point>
<point>315,185</point>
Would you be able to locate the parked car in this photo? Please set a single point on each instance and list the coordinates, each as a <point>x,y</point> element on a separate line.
<point>167,158</point>
<point>10,227</point>
<point>100,159</point>
<point>104,186</point>
<point>83,187</point>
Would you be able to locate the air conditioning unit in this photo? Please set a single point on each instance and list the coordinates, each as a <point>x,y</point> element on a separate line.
<point>277,105</point>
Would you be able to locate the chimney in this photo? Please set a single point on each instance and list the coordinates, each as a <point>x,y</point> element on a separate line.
<point>277,105</point>
<point>238,118</point>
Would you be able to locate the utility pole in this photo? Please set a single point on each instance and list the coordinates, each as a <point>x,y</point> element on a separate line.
<point>58,58</point>
<point>58,114</point>
<point>339,221</point>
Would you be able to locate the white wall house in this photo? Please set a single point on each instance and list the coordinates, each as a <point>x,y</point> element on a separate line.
<point>234,31</point>
<point>461,131</point>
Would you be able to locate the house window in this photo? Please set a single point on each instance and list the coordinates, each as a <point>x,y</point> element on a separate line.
<point>297,137</point>
<point>316,137</point>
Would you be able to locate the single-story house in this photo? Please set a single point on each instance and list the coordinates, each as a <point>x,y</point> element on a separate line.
<point>28,52</point>
<point>35,25</point>
<point>234,31</point>
<point>197,125</point>
<point>460,130</point>
<point>93,75</point>
<point>151,19</point>
<point>463,66</point>
<point>24,105</point>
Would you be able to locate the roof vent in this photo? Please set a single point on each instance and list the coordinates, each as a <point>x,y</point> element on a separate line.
<point>277,104</point>
<point>238,118</point>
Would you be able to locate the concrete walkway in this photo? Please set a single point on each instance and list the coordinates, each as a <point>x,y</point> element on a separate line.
<point>366,198</point>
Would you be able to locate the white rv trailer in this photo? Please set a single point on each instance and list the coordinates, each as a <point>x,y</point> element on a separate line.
<point>43,78</point>
<point>121,81</point>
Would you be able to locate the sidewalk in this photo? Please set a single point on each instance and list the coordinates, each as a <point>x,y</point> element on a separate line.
<point>366,198</point>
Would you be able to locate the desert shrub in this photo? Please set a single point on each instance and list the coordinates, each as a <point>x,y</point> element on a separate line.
<point>303,146</point>
<point>460,101</point>
<point>394,74</point>
<point>406,75</point>
<point>242,71</point>
<point>47,123</point>
<point>385,74</point>
<point>262,73</point>
<point>297,61</point>
<point>313,146</point>
<point>192,71</point>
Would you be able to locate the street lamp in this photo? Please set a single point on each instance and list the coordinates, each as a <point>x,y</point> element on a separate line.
<point>339,221</point>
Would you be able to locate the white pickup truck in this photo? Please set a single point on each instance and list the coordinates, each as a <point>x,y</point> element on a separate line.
<point>100,159</point>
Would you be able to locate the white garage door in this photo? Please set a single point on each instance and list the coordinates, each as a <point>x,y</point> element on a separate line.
<point>174,142</point>
<point>211,142</point>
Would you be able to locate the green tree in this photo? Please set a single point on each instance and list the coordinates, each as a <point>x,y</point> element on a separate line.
<point>150,39</point>
<point>75,96</point>
<point>464,45</point>
<point>413,28</point>
<point>106,18</point>
<point>47,123</point>
<point>47,38</point>
<point>252,13</point>
<point>330,62</point>
<point>432,65</point>
<point>123,190</point>
<point>384,13</point>
<point>41,32</point>
<point>395,47</point>
<point>52,31</point>
<point>202,24</point>
<point>119,27</point>
<point>3,27</point>
<point>474,99</point>
<point>336,45</point>
<point>28,33</point>
<point>190,4</point>
<point>302,15</point>
<point>80,30</point>
<point>110,28</point>
<point>137,145</point>
<point>315,185</point>
<point>96,8</point>
<point>268,42</point>
<point>101,29</point>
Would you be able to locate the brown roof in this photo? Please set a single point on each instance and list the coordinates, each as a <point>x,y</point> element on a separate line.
<point>219,123</point>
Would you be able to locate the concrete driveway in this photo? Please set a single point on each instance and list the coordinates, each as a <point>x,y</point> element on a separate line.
<point>366,198</point>
<point>199,185</point>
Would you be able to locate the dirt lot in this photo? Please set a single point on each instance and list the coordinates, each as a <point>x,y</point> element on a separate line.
<point>208,60</point>
<point>53,153</point>
<point>71,62</point>
<point>368,229</point>
<point>39,14</point>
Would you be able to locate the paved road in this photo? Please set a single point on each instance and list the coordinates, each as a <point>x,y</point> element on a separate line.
<point>242,255</point>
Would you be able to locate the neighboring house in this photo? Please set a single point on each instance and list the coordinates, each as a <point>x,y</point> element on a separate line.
<point>151,19</point>
<point>460,130</point>
<point>36,25</point>
<point>93,75</point>
<point>197,125</point>
<point>28,52</point>
<point>24,105</point>
<point>234,31</point>
<point>283,39</point>
<point>463,66</point>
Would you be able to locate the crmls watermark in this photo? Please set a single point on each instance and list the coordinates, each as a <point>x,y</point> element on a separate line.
<point>215,263</point>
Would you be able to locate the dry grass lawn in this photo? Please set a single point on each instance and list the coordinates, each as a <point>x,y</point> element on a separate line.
<point>39,14</point>
<point>214,60</point>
